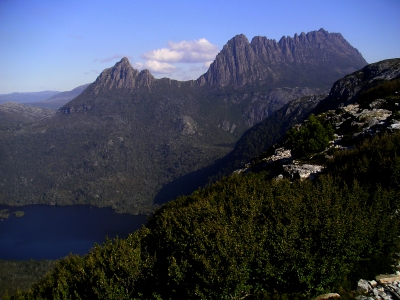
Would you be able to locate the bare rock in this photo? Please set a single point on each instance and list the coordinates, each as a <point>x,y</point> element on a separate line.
<point>316,56</point>
<point>378,103</point>
<point>387,278</point>
<point>305,171</point>
<point>363,286</point>
<point>186,125</point>
<point>327,296</point>
<point>281,154</point>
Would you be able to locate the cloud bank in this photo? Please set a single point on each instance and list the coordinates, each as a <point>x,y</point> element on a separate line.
<point>185,51</point>
<point>161,60</point>
<point>174,59</point>
<point>155,67</point>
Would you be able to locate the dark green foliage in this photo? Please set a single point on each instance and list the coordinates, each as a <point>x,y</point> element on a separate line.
<point>20,275</point>
<point>248,237</point>
<point>389,90</point>
<point>111,271</point>
<point>310,138</point>
<point>374,162</point>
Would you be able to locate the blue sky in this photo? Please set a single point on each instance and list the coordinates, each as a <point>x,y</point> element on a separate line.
<point>59,45</point>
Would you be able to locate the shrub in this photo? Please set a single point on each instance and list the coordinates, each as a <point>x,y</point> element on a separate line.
<point>310,138</point>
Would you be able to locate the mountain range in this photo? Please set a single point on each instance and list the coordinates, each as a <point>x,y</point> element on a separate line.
<point>129,139</point>
<point>44,99</point>
<point>27,97</point>
<point>58,100</point>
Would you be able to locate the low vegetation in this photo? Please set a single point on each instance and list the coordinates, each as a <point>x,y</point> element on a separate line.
<point>250,237</point>
<point>4,213</point>
<point>19,213</point>
<point>21,274</point>
<point>313,137</point>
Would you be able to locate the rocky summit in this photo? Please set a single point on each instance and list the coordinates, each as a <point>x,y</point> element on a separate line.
<point>317,58</point>
<point>130,139</point>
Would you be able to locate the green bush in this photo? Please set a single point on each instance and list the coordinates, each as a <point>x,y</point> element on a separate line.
<point>310,138</point>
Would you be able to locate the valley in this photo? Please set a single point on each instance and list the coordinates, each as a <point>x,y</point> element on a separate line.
<point>128,138</point>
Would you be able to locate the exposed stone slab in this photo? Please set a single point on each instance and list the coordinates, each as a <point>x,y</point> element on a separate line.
<point>387,278</point>
<point>302,171</point>
<point>327,296</point>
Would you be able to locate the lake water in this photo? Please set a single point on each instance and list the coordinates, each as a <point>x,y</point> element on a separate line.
<point>52,232</point>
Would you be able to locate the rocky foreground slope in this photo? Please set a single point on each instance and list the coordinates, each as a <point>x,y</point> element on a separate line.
<point>360,105</point>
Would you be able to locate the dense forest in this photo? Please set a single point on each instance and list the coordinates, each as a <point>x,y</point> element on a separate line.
<point>253,237</point>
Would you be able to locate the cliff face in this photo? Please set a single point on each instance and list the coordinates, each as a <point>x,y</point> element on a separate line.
<point>317,58</point>
<point>121,76</point>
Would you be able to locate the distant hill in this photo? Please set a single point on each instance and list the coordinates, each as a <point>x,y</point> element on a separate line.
<point>58,100</point>
<point>128,136</point>
<point>27,97</point>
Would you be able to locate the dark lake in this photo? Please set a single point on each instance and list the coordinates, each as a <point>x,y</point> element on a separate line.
<point>52,232</point>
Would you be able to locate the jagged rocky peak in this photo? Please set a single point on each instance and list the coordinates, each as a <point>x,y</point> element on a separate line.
<point>122,75</point>
<point>317,58</point>
<point>145,79</point>
<point>236,65</point>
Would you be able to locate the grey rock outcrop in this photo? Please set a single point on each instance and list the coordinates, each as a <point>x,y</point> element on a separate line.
<point>387,288</point>
<point>302,171</point>
<point>324,57</point>
<point>186,125</point>
<point>121,76</point>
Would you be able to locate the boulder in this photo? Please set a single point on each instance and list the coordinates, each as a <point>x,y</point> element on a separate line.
<point>363,286</point>
<point>302,171</point>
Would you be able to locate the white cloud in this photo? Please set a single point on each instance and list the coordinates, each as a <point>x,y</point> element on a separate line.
<point>164,55</point>
<point>156,67</point>
<point>184,52</point>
